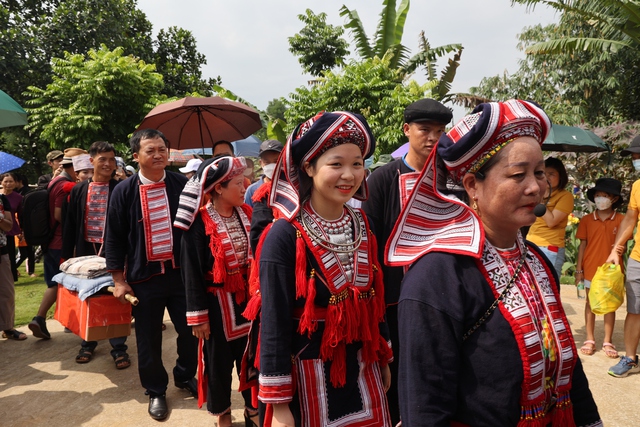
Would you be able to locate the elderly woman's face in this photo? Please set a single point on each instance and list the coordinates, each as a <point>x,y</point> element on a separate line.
<point>512,187</point>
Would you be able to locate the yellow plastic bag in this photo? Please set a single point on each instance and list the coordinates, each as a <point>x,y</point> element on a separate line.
<point>607,289</point>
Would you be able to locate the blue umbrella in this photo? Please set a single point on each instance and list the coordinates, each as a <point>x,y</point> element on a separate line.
<point>249,146</point>
<point>9,162</point>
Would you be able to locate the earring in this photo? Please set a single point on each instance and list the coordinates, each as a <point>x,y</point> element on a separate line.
<point>474,206</point>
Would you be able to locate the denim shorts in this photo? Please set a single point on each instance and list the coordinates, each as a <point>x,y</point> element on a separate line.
<point>556,258</point>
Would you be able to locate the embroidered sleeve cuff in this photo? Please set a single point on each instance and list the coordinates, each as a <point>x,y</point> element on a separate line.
<point>197,317</point>
<point>275,389</point>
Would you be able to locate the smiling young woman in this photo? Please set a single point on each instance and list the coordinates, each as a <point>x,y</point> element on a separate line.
<point>322,322</point>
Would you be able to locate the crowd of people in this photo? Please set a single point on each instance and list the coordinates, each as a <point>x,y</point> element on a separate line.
<point>426,306</point>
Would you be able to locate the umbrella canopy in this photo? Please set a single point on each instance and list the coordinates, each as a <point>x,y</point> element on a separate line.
<point>573,139</point>
<point>401,151</point>
<point>247,147</point>
<point>179,157</point>
<point>201,122</point>
<point>11,113</point>
<point>9,162</point>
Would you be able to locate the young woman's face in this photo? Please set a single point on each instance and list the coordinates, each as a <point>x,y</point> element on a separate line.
<point>84,175</point>
<point>336,175</point>
<point>8,184</point>
<point>233,193</point>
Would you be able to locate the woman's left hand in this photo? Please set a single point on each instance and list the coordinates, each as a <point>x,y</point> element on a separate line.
<point>386,377</point>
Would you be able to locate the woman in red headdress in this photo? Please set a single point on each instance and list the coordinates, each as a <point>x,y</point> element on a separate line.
<point>323,350</point>
<point>215,259</point>
<point>484,340</point>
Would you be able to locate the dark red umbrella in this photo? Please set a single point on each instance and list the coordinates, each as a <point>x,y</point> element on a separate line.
<point>201,122</point>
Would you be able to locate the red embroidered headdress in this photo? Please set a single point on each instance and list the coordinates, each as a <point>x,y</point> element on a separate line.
<point>308,141</point>
<point>434,219</point>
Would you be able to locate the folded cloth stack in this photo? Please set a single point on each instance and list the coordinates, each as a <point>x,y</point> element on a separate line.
<point>86,267</point>
<point>86,275</point>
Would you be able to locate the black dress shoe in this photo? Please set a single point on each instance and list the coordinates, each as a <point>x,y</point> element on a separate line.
<point>190,385</point>
<point>158,407</point>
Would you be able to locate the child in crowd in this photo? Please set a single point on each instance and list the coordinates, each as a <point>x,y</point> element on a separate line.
<point>597,233</point>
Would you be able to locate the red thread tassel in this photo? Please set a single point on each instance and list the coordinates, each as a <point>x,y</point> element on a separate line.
<point>563,412</point>
<point>338,372</point>
<point>253,307</point>
<point>301,266</point>
<point>308,321</point>
<point>203,379</point>
<point>268,415</point>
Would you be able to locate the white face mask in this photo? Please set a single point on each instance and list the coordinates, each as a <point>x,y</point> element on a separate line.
<point>602,203</point>
<point>636,164</point>
<point>267,170</point>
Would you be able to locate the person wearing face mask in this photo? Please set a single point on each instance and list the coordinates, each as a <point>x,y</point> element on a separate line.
<point>548,232</point>
<point>262,214</point>
<point>269,152</point>
<point>597,233</point>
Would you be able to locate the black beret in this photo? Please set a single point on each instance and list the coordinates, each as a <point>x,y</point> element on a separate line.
<point>427,109</point>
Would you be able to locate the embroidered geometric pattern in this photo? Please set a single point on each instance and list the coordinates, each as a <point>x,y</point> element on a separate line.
<point>311,379</point>
<point>95,212</point>
<point>156,220</point>
<point>514,307</point>
<point>275,389</point>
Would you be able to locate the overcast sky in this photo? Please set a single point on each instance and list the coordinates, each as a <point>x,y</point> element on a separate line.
<point>245,41</point>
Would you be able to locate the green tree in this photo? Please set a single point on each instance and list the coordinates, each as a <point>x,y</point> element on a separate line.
<point>388,35</point>
<point>372,87</point>
<point>387,41</point>
<point>574,87</point>
<point>178,60</point>
<point>276,108</point>
<point>318,46</point>
<point>617,23</point>
<point>99,96</point>
<point>33,32</point>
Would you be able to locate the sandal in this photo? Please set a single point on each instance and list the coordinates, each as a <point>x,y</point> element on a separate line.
<point>84,355</point>
<point>610,352</point>
<point>12,334</point>
<point>122,361</point>
<point>251,418</point>
<point>588,348</point>
<point>224,420</point>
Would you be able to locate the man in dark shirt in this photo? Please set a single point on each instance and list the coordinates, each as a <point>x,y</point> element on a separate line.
<point>389,189</point>
<point>84,227</point>
<point>142,250</point>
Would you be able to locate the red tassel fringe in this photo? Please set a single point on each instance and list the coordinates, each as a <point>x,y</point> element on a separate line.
<point>301,266</point>
<point>308,322</point>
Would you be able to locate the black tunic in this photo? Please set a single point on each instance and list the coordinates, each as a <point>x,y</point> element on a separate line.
<point>443,378</point>
<point>73,242</point>
<point>383,209</point>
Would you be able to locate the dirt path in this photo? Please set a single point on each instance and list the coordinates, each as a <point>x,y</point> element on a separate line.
<point>41,385</point>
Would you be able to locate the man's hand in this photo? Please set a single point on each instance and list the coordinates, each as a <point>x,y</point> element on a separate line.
<point>201,331</point>
<point>122,287</point>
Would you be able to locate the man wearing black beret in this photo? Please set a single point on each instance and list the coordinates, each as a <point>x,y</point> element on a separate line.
<point>389,188</point>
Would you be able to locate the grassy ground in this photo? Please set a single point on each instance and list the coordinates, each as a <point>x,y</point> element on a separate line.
<point>29,292</point>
